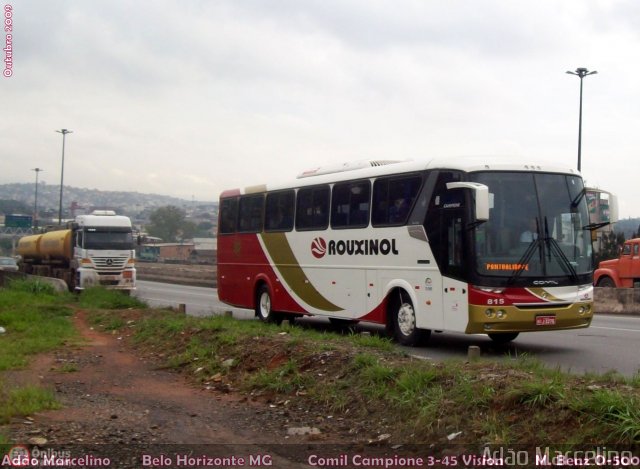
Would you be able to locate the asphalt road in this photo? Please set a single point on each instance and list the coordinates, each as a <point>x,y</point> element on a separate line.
<point>611,343</point>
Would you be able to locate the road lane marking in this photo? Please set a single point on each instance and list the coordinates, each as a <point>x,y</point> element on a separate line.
<point>615,329</point>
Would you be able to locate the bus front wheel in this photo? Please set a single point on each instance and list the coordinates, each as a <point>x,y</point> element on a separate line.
<point>403,316</point>
<point>263,305</point>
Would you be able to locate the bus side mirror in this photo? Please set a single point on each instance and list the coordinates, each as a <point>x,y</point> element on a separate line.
<point>481,196</point>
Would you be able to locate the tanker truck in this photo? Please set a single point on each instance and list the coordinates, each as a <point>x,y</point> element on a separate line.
<point>95,249</point>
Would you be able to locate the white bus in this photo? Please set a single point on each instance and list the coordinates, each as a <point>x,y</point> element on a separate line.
<point>480,247</point>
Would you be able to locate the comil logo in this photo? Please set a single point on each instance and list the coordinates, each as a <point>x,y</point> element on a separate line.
<point>318,248</point>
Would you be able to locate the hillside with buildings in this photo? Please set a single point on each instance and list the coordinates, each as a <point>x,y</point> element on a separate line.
<point>77,201</point>
<point>20,198</point>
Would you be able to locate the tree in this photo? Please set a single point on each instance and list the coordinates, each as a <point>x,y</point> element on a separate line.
<point>610,249</point>
<point>204,229</point>
<point>169,224</point>
<point>9,207</point>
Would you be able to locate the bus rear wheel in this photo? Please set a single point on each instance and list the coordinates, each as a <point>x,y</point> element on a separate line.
<point>263,305</point>
<point>403,316</point>
<point>504,337</point>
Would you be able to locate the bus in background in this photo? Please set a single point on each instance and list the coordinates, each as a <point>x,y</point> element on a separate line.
<point>473,246</point>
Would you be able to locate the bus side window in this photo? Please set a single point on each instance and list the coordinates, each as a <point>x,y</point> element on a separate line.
<point>350,204</point>
<point>312,208</point>
<point>393,199</point>
<point>251,210</point>
<point>228,215</point>
<point>279,209</point>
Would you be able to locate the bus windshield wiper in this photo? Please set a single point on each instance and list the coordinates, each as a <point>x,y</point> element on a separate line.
<point>578,198</point>
<point>554,247</point>
<point>524,261</point>
<point>595,226</point>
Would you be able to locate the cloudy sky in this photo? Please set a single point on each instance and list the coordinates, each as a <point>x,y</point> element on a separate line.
<point>188,98</point>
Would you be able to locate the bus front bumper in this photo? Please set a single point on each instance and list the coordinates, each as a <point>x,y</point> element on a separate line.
<point>496,319</point>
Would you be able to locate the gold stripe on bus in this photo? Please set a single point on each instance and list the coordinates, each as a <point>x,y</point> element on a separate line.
<point>544,294</point>
<point>284,260</point>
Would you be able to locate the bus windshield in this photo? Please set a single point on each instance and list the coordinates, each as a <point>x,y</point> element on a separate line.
<point>108,239</point>
<point>536,227</point>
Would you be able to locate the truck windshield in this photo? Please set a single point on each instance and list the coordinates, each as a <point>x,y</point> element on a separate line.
<point>107,239</point>
<point>536,227</point>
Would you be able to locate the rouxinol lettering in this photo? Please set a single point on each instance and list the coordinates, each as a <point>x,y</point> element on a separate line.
<point>363,247</point>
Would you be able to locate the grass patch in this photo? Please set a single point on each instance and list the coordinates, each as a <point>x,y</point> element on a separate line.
<point>68,368</point>
<point>25,401</point>
<point>617,412</point>
<point>102,298</point>
<point>537,394</point>
<point>36,320</point>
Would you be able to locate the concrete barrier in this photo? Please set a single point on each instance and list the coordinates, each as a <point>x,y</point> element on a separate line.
<point>58,285</point>
<point>617,301</point>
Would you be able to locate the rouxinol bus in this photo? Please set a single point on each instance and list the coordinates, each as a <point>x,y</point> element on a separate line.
<point>484,247</point>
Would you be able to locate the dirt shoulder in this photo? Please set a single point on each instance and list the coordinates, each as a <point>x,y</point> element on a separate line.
<point>124,406</point>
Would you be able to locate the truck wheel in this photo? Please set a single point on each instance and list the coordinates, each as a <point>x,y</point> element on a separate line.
<point>403,316</point>
<point>606,282</point>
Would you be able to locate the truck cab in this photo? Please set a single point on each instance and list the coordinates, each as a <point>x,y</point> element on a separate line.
<point>623,272</point>
<point>104,251</point>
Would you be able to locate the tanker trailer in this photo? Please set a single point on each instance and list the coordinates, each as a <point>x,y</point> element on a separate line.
<point>47,255</point>
<point>96,249</point>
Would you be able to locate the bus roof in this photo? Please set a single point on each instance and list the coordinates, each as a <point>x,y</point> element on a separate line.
<point>376,168</point>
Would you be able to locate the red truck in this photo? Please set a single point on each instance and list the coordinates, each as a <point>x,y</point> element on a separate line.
<point>623,272</point>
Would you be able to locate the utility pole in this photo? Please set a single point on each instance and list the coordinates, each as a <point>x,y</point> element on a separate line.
<point>64,133</point>
<point>581,73</point>
<point>35,205</point>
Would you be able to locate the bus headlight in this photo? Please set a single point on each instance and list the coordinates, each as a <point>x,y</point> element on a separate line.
<point>584,309</point>
<point>489,313</point>
<point>501,314</point>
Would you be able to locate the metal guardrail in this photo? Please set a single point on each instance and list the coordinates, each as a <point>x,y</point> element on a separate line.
<point>14,232</point>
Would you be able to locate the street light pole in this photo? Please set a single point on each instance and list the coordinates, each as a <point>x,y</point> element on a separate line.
<point>35,205</point>
<point>64,133</point>
<point>581,73</point>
